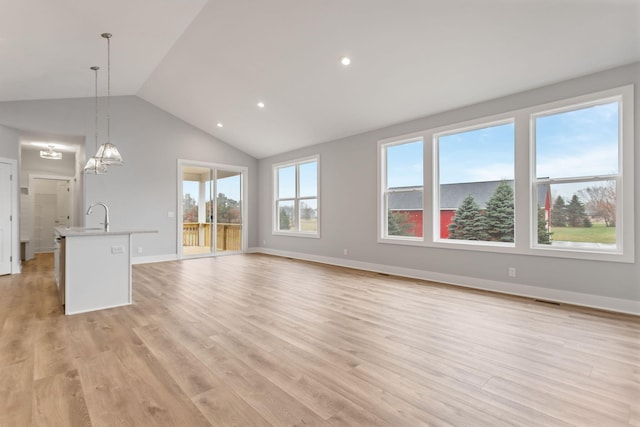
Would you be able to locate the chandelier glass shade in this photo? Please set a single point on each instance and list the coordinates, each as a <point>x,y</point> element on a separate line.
<point>107,154</point>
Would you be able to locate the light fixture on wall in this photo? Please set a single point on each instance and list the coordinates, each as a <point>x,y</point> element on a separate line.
<point>95,166</point>
<point>50,154</point>
<point>108,153</point>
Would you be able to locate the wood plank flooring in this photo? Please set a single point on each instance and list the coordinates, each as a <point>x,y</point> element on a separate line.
<point>255,340</point>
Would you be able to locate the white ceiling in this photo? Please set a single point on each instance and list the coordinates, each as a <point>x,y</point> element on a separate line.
<point>212,61</point>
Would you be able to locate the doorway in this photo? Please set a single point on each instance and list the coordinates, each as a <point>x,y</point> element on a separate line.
<point>52,208</point>
<point>211,219</point>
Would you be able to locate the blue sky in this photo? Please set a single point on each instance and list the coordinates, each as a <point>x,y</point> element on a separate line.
<point>578,143</point>
<point>308,180</point>
<point>229,186</point>
<point>571,144</point>
<point>485,154</point>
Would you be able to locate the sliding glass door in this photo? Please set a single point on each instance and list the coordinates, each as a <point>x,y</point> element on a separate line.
<point>212,210</point>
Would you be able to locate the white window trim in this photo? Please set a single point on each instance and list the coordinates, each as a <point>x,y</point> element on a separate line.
<point>486,122</point>
<point>274,197</point>
<point>525,194</point>
<point>382,189</point>
<point>624,251</point>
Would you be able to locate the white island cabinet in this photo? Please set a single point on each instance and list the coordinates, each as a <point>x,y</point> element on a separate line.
<point>93,270</point>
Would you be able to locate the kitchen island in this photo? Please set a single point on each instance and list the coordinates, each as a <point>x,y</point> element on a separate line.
<point>93,268</point>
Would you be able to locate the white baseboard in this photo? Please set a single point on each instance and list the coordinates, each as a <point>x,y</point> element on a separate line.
<point>557,295</point>
<point>154,258</point>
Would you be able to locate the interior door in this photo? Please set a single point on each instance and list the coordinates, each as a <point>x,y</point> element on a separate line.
<point>52,209</point>
<point>5,218</point>
<point>63,204</point>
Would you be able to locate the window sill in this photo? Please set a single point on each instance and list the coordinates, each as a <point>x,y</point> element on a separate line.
<point>296,234</point>
<point>591,254</point>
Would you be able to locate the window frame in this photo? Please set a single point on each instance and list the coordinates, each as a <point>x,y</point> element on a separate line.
<point>525,192</point>
<point>297,199</point>
<point>383,219</point>
<point>623,179</point>
<point>477,124</point>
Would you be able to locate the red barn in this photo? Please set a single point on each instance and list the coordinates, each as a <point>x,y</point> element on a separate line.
<point>408,201</point>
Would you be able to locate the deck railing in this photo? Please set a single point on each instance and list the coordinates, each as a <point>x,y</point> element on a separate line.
<point>199,234</point>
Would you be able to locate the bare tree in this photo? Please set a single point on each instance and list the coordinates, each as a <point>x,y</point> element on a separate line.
<point>601,201</point>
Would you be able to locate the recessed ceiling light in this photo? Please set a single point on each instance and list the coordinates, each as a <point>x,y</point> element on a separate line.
<point>219,124</point>
<point>345,60</point>
<point>260,104</point>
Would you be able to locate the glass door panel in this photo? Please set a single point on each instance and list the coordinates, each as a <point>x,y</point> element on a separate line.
<point>196,225</point>
<point>228,230</point>
<point>212,211</point>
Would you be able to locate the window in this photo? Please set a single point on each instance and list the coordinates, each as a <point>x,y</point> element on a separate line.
<point>403,190</point>
<point>475,183</point>
<point>577,158</point>
<point>296,198</point>
<point>548,180</point>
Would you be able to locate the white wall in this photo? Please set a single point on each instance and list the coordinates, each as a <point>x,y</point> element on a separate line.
<point>143,191</point>
<point>349,207</point>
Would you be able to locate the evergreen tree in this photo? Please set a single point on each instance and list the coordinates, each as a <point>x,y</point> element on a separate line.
<point>285,222</point>
<point>559,213</point>
<point>468,223</point>
<point>499,214</point>
<point>398,224</point>
<point>544,236</point>
<point>575,212</point>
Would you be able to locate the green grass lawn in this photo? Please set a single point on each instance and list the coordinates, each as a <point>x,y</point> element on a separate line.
<point>596,234</point>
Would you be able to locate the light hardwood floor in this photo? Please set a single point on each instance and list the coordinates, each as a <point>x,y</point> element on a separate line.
<point>258,340</point>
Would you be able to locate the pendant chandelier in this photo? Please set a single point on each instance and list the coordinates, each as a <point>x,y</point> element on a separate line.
<point>94,166</point>
<point>107,154</point>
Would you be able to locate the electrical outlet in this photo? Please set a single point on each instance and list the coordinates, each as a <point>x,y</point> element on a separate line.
<point>117,250</point>
<point>346,252</point>
<point>139,249</point>
<point>171,214</point>
<point>264,243</point>
<point>512,272</point>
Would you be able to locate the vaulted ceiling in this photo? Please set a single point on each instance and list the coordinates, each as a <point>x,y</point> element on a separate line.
<point>211,62</point>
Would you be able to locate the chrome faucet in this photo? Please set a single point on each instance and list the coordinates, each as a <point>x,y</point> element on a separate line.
<point>106,213</point>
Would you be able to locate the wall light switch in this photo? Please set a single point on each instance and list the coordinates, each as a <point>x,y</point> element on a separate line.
<point>171,214</point>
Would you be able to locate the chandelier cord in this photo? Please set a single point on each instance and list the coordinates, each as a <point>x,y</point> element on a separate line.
<point>109,89</point>
<point>95,69</point>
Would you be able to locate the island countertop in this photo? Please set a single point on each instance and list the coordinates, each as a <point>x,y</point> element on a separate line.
<point>97,231</point>
<point>93,267</point>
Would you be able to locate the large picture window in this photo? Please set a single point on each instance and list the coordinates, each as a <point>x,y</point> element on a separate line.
<point>296,207</point>
<point>475,183</point>
<point>577,157</point>
<point>402,191</point>
<point>549,180</point>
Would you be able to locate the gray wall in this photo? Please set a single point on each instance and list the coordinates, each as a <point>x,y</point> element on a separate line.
<point>32,163</point>
<point>143,191</point>
<point>349,206</point>
<point>9,143</point>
